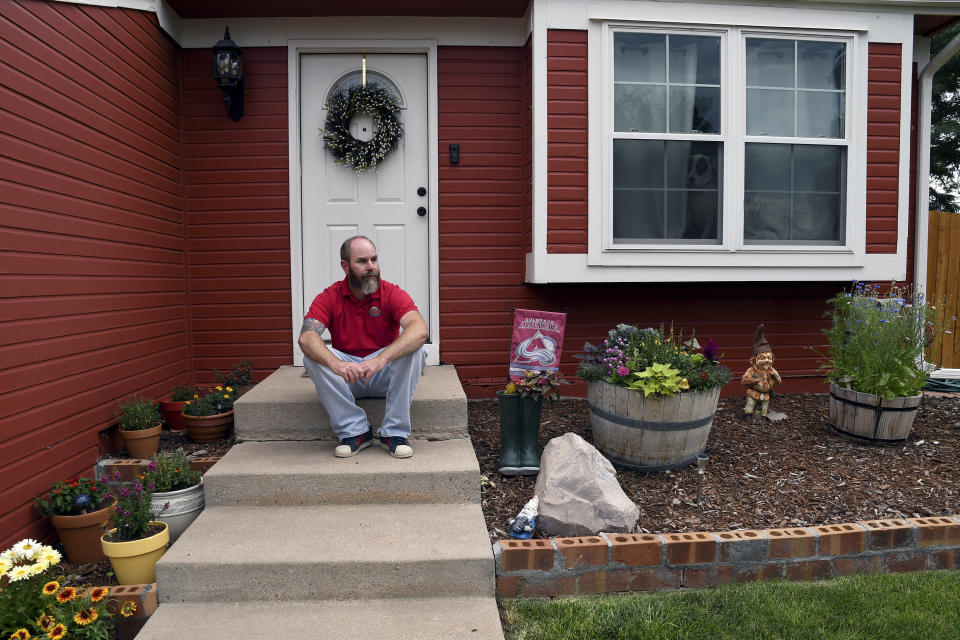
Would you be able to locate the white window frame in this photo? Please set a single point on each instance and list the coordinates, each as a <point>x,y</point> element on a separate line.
<point>732,250</point>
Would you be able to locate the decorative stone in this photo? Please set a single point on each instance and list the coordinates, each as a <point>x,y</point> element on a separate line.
<point>579,493</point>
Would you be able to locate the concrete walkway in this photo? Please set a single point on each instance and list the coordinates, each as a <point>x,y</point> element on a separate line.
<point>296,542</point>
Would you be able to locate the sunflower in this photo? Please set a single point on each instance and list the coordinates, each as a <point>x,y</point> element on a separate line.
<point>45,622</point>
<point>20,634</point>
<point>68,594</point>
<point>57,632</point>
<point>98,594</point>
<point>128,608</point>
<point>86,616</point>
<point>51,588</point>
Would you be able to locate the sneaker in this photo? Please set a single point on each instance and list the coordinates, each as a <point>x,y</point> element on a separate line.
<point>397,445</point>
<point>350,446</point>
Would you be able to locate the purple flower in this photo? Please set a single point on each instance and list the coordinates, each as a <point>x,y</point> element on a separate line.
<point>153,486</point>
<point>137,487</point>
<point>124,492</point>
<point>152,465</point>
<point>711,350</point>
<point>623,371</point>
<point>116,474</point>
<point>126,512</point>
<point>166,505</point>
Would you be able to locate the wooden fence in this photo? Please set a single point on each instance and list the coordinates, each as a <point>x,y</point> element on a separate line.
<point>943,283</point>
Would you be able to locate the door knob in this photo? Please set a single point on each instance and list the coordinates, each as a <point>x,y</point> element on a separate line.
<point>421,211</point>
<point>421,191</point>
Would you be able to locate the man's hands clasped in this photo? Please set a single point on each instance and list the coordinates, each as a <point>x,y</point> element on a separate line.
<point>353,372</point>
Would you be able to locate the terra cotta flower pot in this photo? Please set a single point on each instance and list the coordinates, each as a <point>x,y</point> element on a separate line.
<point>171,413</point>
<point>142,443</point>
<point>80,534</point>
<point>208,428</point>
<point>135,561</point>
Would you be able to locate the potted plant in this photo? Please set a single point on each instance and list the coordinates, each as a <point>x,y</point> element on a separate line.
<point>24,568</point>
<point>209,418</point>
<point>652,396</point>
<point>520,404</point>
<point>177,491</point>
<point>139,426</point>
<point>875,365</point>
<point>137,541</point>
<point>171,408</point>
<point>240,377</point>
<point>78,510</point>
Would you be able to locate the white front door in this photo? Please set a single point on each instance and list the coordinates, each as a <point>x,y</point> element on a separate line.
<point>385,205</point>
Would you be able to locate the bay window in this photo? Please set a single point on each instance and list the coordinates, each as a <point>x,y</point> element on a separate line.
<point>724,139</point>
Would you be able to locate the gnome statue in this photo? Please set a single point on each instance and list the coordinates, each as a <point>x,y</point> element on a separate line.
<point>760,377</point>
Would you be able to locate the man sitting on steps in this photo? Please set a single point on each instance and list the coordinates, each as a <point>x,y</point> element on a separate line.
<point>369,357</point>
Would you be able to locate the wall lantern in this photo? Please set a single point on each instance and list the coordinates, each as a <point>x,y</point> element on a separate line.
<point>228,72</point>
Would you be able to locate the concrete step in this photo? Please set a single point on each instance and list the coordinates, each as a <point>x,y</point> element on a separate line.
<point>395,619</point>
<point>307,473</point>
<point>285,407</point>
<point>329,552</point>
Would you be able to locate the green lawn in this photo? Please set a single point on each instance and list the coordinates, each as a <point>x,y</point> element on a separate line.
<point>922,605</point>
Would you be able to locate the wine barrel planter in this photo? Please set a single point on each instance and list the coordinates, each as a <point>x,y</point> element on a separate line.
<point>869,417</point>
<point>653,433</point>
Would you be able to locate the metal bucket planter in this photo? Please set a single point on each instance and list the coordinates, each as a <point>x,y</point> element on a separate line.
<point>869,417</point>
<point>653,433</point>
<point>185,506</point>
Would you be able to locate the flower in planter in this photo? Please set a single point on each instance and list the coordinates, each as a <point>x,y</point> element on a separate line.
<point>135,413</point>
<point>78,496</point>
<point>241,375</point>
<point>131,515</point>
<point>877,341</point>
<point>653,361</point>
<point>540,383</point>
<point>24,570</point>
<point>219,400</point>
<point>170,472</point>
<point>185,392</point>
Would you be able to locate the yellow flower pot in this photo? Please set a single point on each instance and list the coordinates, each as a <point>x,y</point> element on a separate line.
<point>135,561</point>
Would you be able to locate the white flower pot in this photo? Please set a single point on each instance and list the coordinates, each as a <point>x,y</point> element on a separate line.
<point>185,506</point>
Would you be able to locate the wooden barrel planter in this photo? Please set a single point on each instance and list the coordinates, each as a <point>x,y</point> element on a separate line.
<point>869,417</point>
<point>653,433</point>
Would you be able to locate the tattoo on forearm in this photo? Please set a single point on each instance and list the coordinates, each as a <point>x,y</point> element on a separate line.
<point>309,324</point>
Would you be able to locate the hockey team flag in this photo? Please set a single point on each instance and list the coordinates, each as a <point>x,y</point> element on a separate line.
<point>537,341</point>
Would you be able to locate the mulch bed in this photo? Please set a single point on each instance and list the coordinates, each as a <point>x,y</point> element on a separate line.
<point>762,475</point>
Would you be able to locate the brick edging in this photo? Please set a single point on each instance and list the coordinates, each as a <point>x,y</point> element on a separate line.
<point>610,562</point>
<point>144,596</point>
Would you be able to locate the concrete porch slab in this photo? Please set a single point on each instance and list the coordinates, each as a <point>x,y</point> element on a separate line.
<point>285,407</point>
<point>303,473</point>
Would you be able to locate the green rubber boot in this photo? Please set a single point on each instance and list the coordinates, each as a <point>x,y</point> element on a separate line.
<point>529,433</point>
<point>510,416</point>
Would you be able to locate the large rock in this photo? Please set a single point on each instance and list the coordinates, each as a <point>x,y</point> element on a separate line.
<point>578,491</point>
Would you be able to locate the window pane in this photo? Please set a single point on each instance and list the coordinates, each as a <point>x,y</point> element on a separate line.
<point>819,114</point>
<point>640,108</point>
<point>767,167</point>
<point>770,63</point>
<point>684,206</point>
<point>638,164</point>
<point>821,65</point>
<point>794,194</point>
<point>770,112</point>
<point>817,168</point>
<point>639,57</point>
<point>695,59</point>
<point>637,215</point>
<point>694,109</point>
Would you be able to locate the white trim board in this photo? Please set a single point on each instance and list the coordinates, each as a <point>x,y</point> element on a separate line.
<point>275,32</point>
<point>294,50</point>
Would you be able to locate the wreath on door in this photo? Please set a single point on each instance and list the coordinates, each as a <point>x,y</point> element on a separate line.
<point>346,150</point>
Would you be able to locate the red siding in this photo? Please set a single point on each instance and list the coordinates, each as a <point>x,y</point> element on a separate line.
<point>566,141</point>
<point>93,266</point>
<point>883,147</point>
<point>237,200</point>
<point>482,247</point>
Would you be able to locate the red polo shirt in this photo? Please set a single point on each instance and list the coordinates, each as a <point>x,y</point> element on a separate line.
<point>360,327</point>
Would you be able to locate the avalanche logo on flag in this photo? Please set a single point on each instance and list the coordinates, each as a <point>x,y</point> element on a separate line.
<point>537,341</point>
